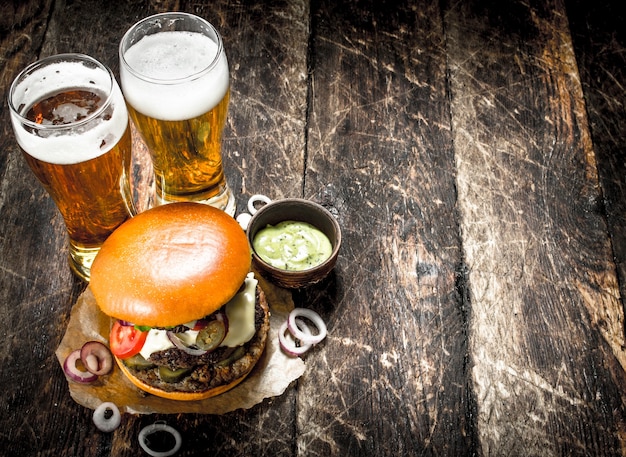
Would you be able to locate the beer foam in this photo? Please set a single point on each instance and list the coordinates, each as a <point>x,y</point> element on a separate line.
<point>175,85</point>
<point>68,144</point>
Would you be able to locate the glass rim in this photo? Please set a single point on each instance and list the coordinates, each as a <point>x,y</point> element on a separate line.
<point>169,81</point>
<point>49,60</point>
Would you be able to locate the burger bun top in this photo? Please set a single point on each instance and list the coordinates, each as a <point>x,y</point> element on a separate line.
<point>170,265</point>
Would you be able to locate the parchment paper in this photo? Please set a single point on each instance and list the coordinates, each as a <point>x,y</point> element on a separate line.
<point>273,373</point>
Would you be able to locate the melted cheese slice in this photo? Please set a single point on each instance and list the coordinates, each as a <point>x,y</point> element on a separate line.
<point>240,313</point>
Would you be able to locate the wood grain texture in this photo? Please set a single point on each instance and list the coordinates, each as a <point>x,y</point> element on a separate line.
<point>534,240</point>
<point>600,45</point>
<point>267,45</point>
<point>379,155</point>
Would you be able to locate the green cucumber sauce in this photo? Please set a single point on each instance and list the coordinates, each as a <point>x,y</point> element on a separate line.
<point>292,245</point>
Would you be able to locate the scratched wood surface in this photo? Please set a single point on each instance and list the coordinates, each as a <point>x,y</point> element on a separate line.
<point>379,148</point>
<point>541,279</point>
<point>473,155</point>
<point>599,45</point>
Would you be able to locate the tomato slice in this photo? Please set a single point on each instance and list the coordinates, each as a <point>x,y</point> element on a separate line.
<point>125,340</point>
<point>200,324</point>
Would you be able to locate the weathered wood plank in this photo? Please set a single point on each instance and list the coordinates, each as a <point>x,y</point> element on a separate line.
<point>22,29</point>
<point>390,380</point>
<point>267,47</point>
<point>546,332</point>
<point>600,45</point>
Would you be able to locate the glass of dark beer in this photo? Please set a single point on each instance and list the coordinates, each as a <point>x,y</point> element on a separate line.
<point>175,78</point>
<point>71,123</point>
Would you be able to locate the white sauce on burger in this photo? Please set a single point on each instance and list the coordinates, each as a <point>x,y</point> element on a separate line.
<point>240,313</point>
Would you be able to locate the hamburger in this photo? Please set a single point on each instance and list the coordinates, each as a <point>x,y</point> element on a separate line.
<point>189,320</point>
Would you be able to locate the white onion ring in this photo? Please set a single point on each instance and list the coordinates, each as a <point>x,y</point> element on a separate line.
<point>257,198</point>
<point>73,372</point>
<point>159,427</point>
<point>288,343</point>
<point>313,317</point>
<point>101,421</point>
<point>244,220</point>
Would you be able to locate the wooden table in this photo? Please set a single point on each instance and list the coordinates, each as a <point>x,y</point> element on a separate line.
<point>474,155</point>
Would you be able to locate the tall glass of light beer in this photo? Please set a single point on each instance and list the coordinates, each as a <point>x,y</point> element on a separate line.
<point>175,78</point>
<point>72,125</point>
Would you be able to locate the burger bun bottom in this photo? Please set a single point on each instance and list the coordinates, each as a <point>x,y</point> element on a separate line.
<point>175,395</point>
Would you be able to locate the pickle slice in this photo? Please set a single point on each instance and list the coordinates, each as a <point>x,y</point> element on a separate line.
<point>168,375</point>
<point>231,356</point>
<point>138,362</point>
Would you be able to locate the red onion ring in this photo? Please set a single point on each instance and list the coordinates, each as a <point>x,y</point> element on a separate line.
<point>73,372</point>
<point>313,317</point>
<point>288,343</point>
<point>182,346</point>
<point>102,421</point>
<point>155,428</point>
<point>96,357</point>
